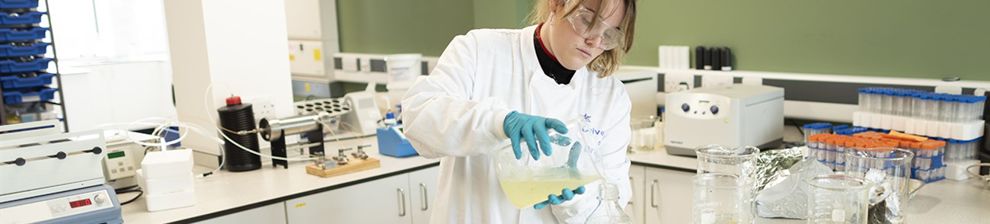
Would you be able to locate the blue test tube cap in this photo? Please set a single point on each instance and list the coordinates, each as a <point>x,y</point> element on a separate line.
<point>839,127</point>
<point>818,126</point>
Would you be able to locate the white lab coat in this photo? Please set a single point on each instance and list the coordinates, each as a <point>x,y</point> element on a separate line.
<point>456,114</point>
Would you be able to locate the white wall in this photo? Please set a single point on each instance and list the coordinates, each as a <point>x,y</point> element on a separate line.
<point>237,45</point>
<point>303,19</point>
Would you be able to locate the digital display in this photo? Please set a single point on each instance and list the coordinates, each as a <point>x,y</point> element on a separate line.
<point>80,203</point>
<point>117,154</point>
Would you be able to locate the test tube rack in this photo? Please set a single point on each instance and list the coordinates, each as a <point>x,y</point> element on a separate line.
<point>22,24</point>
<point>947,116</point>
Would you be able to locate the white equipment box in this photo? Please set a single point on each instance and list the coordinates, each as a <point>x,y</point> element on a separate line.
<point>54,177</point>
<point>730,116</point>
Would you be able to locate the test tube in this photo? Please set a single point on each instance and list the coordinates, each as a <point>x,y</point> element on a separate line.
<point>877,101</point>
<point>840,159</point>
<point>930,106</point>
<point>899,99</point>
<point>980,104</point>
<point>917,105</point>
<point>945,107</point>
<point>864,100</point>
<point>958,108</point>
<point>952,150</point>
<point>974,109</point>
<point>886,101</point>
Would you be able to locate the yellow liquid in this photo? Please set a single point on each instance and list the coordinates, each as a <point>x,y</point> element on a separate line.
<point>526,193</point>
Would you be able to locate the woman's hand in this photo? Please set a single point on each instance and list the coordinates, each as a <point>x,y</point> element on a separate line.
<point>565,195</point>
<point>532,129</point>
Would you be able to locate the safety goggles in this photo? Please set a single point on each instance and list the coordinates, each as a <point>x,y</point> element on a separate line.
<point>582,21</point>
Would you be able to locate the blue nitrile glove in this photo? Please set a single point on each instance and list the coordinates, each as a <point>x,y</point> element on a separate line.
<point>531,129</point>
<point>565,194</point>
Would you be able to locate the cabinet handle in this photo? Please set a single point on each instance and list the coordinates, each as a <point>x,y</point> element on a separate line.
<point>402,202</point>
<point>633,184</point>
<point>653,197</point>
<point>425,198</point>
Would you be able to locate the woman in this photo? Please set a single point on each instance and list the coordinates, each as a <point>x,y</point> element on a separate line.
<point>490,86</point>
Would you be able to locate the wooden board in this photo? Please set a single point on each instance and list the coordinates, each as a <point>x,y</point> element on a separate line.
<point>354,165</point>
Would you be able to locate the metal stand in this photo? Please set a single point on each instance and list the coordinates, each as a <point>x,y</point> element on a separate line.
<point>279,148</point>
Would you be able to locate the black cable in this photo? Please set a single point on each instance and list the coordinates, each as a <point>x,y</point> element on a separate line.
<point>797,126</point>
<point>130,190</point>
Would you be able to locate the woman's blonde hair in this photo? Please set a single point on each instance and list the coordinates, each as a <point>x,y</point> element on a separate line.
<point>608,62</point>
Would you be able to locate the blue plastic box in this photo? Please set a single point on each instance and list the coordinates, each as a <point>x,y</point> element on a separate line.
<point>14,82</point>
<point>28,34</point>
<point>392,143</point>
<point>26,18</point>
<point>11,66</point>
<point>16,97</point>
<point>39,48</point>
<point>18,4</point>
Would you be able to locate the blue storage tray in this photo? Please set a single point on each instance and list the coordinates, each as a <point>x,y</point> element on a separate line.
<point>16,97</point>
<point>29,34</point>
<point>39,48</point>
<point>18,4</point>
<point>14,82</point>
<point>26,18</point>
<point>11,66</point>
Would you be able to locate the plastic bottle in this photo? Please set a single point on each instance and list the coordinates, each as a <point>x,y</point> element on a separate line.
<point>609,210</point>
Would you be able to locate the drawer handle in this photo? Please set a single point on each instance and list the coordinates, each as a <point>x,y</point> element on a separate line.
<point>653,197</point>
<point>402,202</point>
<point>633,184</point>
<point>425,199</point>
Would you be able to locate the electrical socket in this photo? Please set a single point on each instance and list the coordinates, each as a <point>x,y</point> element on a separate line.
<point>263,108</point>
<point>676,82</point>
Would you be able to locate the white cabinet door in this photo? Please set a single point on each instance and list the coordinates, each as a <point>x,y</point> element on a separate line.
<point>669,196</point>
<point>423,190</point>
<point>383,201</point>
<point>269,214</point>
<point>637,176</point>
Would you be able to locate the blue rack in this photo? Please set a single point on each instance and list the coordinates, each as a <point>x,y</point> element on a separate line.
<point>40,95</point>
<point>24,60</point>
<point>15,82</point>
<point>18,4</point>
<point>11,66</point>
<point>26,18</point>
<point>22,34</point>
<point>32,49</point>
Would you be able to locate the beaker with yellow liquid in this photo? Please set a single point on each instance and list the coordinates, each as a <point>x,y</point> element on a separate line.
<point>529,181</point>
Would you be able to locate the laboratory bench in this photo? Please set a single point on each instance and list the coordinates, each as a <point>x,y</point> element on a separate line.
<point>400,191</point>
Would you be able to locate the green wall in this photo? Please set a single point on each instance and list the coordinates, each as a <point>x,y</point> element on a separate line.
<point>904,38</point>
<point>402,26</point>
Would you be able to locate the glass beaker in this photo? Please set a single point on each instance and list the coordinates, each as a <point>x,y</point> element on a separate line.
<point>888,169</point>
<point>643,135</point>
<point>740,164</point>
<point>837,198</point>
<point>739,161</point>
<point>527,181</point>
<point>721,198</point>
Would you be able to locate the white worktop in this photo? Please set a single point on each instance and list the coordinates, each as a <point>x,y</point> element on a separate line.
<point>945,201</point>
<point>232,191</point>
